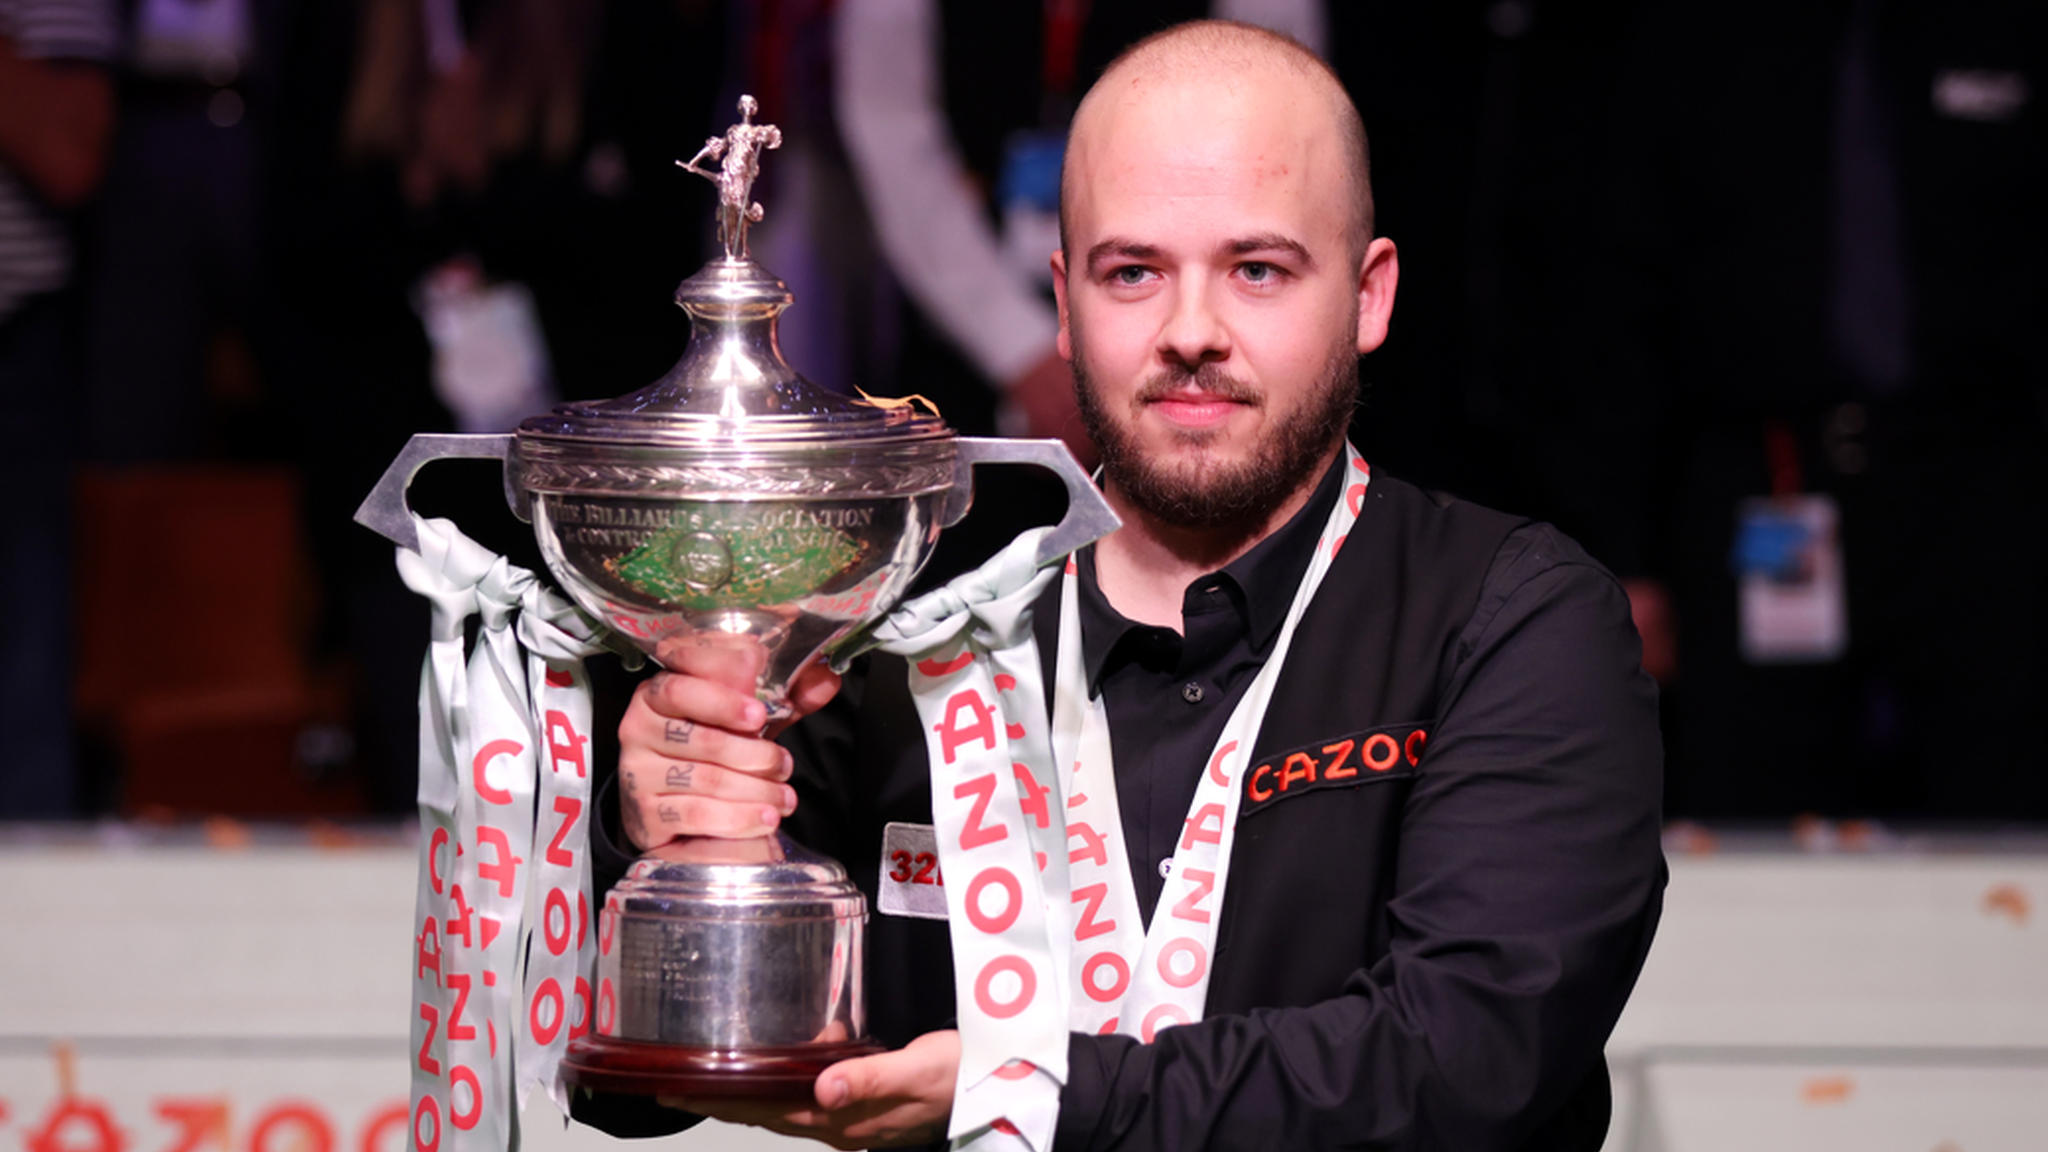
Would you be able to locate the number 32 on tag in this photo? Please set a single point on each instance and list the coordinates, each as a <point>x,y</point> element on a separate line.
<point>910,882</point>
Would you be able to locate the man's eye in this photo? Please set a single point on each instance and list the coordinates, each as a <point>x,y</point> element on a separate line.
<point>1130,275</point>
<point>1259,272</point>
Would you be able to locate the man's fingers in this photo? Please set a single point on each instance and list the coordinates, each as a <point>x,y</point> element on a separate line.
<point>923,1069</point>
<point>665,798</point>
<point>734,661</point>
<point>660,821</point>
<point>647,736</point>
<point>814,687</point>
<point>669,779</point>
<point>896,1098</point>
<point>690,699</point>
<point>859,1079</point>
<point>690,762</point>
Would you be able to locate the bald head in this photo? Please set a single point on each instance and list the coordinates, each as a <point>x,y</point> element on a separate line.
<point>1233,62</point>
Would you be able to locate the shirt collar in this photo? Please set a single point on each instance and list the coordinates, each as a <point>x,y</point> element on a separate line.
<point>1263,580</point>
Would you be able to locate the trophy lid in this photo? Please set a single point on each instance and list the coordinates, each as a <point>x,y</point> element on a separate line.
<point>761,879</point>
<point>732,398</point>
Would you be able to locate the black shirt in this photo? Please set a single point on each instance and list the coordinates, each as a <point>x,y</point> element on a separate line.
<point>1452,980</point>
<point>1169,694</point>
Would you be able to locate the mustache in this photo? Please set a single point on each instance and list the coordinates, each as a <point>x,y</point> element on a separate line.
<point>1208,379</point>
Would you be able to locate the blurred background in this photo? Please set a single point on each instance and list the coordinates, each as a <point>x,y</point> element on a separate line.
<point>1748,297</point>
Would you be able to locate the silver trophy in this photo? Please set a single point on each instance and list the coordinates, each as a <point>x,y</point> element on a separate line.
<point>732,501</point>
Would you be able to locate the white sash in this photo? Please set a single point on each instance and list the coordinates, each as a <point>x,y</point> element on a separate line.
<point>995,806</point>
<point>503,948</point>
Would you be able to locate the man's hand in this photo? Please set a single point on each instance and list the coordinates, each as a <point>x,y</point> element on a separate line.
<point>693,757</point>
<point>897,1098</point>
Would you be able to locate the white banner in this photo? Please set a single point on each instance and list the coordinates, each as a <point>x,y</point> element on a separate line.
<point>995,801</point>
<point>501,973</point>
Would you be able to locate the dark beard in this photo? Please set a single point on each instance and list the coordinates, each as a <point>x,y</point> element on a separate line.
<point>1203,494</point>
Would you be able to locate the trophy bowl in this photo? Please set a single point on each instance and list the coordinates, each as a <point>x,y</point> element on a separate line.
<point>732,499</point>
<point>733,502</point>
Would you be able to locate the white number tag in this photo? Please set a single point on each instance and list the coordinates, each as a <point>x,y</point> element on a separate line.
<point>911,884</point>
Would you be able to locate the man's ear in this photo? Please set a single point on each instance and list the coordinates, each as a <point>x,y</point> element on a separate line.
<point>1378,274</point>
<point>1065,343</point>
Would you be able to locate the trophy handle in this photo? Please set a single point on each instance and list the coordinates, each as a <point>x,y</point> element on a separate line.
<point>1088,516</point>
<point>385,511</point>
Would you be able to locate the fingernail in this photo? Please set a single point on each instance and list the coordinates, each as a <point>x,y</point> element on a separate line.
<point>769,816</point>
<point>788,801</point>
<point>834,1093</point>
<point>756,714</point>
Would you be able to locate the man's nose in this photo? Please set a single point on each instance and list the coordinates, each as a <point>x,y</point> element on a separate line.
<point>1194,333</point>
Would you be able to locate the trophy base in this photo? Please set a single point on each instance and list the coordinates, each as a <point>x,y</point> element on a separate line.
<point>638,1068</point>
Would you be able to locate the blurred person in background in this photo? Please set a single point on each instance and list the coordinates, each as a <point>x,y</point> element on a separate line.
<point>508,142</point>
<point>842,334</point>
<point>1827,459</point>
<point>172,299</point>
<point>56,109</point>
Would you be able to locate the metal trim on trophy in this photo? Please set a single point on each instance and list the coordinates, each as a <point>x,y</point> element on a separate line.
<point>733,500</point>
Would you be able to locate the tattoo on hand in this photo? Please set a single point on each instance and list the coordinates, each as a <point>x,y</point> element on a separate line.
<point>669,814</point>
<point>679,775</point>
<point>679,731</point>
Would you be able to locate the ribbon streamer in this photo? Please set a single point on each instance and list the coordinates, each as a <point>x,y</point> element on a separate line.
<point>996,805</point>
<point>504,949</point>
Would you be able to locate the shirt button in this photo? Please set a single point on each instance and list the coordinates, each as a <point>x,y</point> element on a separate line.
<point>1166,866</point>
<point>1191,692</point>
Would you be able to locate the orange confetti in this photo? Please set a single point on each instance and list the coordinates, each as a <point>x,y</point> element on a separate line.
<point>1812,833</point>
<point>1827,1090</point>
<point>1858,835</point>
<point>226,833</point>
<point>1685,838</point>
<point>2008,900</point>
<point>906,402</point>
<point>327,834</point>
<point>66,1059</point>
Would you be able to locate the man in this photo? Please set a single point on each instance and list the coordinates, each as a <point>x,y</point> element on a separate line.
<point>1426,944</point>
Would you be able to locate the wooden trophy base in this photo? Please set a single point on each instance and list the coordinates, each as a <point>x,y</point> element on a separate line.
<point>637,1068</point>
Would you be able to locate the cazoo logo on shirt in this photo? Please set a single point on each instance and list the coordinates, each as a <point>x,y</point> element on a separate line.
<point>1344,762</point>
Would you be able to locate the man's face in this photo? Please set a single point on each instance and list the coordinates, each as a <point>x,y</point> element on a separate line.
<point>1216,302</point>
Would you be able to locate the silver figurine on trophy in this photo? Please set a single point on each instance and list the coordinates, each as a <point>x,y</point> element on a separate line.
<point>732,498</point>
